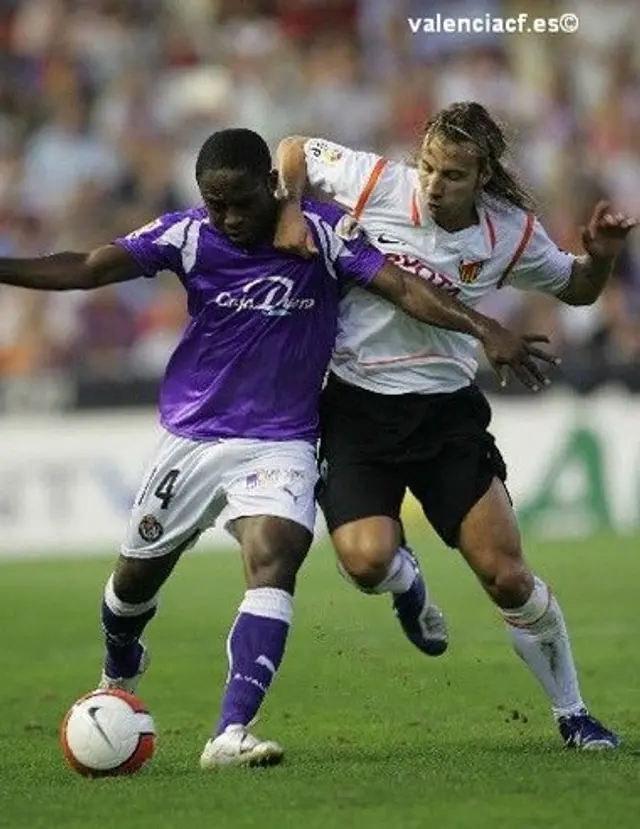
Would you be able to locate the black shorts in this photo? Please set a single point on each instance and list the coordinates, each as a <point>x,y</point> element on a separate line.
<point>374,447</point>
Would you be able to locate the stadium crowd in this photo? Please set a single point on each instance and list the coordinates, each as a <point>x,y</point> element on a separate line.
<point>104,103</point>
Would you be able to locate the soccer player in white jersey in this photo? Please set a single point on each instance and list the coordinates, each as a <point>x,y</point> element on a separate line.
<point>400,409</point>
<point>239,405</point>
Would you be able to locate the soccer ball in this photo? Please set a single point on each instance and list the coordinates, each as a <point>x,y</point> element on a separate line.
<point>106,733</point>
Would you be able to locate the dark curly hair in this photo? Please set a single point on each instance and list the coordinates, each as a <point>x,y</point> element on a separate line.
<point>236,149</point>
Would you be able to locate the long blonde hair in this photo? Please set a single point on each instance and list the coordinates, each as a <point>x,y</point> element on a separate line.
<point>470,121</point>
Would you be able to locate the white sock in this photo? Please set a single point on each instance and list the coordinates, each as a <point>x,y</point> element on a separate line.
<point>400,575</point>
<point>539,636</point>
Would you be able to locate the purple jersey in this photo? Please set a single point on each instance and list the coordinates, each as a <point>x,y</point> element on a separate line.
<point>252,359</point>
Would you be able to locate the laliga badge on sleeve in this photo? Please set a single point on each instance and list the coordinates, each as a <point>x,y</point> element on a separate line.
<point>325,151</point>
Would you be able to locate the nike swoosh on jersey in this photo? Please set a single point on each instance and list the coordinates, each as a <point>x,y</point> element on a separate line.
<point>388,240</point>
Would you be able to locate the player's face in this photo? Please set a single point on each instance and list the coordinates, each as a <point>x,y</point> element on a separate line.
<point>450,177</point>
<point>239,204</point>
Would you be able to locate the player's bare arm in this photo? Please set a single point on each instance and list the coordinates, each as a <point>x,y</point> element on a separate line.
<point>434,306</point>
<point>292,233</point>
<point>603,240</point>
<point>292,167</point>
<point>105,265</point>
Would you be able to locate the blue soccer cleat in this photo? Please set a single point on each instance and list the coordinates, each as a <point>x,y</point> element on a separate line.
<point>423,624</point>
<point>582,731</point>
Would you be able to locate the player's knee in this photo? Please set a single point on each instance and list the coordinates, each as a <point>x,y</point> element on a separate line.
<point>273,556</point>
<point>512,582</point>
<point>365,558</point>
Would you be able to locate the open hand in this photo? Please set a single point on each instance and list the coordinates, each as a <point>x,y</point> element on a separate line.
<point>606,233</point>
<point>507,352</point>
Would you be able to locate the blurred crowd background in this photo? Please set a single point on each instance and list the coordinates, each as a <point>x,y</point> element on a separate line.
<point>104,104</point>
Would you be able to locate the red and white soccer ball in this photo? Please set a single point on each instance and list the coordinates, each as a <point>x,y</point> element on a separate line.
<point>107,733</point>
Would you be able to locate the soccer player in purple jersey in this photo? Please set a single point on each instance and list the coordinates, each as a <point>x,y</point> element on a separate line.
<point>239,405</point>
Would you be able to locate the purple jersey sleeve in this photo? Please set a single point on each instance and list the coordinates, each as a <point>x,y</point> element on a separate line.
<point>344,244</point>
<point>159,245</point>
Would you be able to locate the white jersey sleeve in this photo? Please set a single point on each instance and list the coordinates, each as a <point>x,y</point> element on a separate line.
<point>541,266</point>
<point>349,176</point>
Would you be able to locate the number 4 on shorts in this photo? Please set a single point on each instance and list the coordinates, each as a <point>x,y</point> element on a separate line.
<point>165,489</point>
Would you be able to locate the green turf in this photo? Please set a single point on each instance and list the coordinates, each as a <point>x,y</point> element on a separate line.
<point>377,735</point>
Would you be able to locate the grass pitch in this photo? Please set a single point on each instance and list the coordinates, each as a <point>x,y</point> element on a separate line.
<point>376,734</point>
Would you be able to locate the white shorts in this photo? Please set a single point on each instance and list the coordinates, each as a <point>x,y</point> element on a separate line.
<point>191,484</point>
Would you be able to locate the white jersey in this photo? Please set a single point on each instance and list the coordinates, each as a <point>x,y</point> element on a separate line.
<point>378,346</point>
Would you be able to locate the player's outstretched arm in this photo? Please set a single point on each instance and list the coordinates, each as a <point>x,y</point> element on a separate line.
<point>505,350</point>
<point>71,271</point>
<point>425,302</point>
<point>603,240</point>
